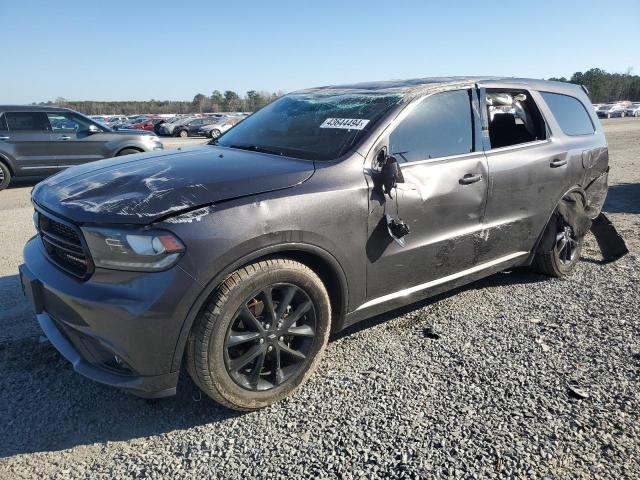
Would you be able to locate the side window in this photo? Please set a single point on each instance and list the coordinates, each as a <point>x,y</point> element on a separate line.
<point>440,126</point>
<point>27,121</point>
<point>3,123</point>
<point>67,122</point>
<point>570,114</point>
<point>513,117</point>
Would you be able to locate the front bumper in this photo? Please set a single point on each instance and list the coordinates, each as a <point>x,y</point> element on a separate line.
<point>117,328</point>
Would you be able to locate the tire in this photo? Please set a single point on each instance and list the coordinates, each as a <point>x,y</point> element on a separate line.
<point>127,151</point>
<point>5,176</point>
<point>561,259</point>
<point>224,335</point>
<point>183,134</point>
<point>215,133</point>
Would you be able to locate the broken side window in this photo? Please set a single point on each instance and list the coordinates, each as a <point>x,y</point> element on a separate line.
<point>514,118</point>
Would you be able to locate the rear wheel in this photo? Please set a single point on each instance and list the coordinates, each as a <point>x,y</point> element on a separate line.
<point>5,176</point>
<point>622,115</point>
<point>183,134</point>
<point>563,257</point>
<point>261,336</point>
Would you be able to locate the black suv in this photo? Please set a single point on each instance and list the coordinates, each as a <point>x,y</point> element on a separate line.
<point>41,141</point>
<point>236,259</point>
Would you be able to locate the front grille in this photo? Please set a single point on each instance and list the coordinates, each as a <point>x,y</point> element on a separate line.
<point>64,245</point>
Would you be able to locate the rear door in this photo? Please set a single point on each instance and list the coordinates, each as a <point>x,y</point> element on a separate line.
<point>27,140</point>
<point>73,143</point>
<point>529,169</point>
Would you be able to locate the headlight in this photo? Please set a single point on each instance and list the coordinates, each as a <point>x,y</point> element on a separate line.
<point>151,138</point>
<point>142,251</point>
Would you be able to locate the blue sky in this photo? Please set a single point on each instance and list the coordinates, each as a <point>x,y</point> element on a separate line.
<point>138,50</point>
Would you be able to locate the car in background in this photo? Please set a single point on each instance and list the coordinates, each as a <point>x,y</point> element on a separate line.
<point>112,120</point>
<point>39,141</point>
<point>610,110</point>
<point>169,126</point>
<point>633,110</point>
<point>147,124</point>
<point>220,126</point>
<point>191,126</point>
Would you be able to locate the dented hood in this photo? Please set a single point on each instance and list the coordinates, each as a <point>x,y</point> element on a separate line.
<point>142,188</point>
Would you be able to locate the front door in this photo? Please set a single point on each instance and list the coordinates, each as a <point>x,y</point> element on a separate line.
<point>73,143</point>
<point>27,139</point>
<point>442,198</point>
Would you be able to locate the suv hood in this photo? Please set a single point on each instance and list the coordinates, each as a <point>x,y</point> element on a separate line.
<point>142,188</point>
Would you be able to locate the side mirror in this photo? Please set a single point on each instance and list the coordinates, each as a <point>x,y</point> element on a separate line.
<point>93,129</point>
<point>391,174</point>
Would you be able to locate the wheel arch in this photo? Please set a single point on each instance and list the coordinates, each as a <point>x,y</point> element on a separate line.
<point>128,147</point>
<point>575,189</point>
<point>325,265</point>
<point>6,162</point>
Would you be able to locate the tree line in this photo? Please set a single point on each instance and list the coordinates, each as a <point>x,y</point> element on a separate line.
<point>607,87</point>
<point>229,101</point>
<point>602,86</point>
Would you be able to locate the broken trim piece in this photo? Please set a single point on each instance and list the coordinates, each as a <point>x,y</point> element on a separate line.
<point>439,281</point>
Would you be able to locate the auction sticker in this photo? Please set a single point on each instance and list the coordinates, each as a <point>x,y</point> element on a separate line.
<point>345,123</point>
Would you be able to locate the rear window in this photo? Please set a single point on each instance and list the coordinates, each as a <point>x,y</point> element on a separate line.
<point>570,114</point>
<point>27,121</point>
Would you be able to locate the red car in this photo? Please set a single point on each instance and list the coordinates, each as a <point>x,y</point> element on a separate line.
<point>147,124</point>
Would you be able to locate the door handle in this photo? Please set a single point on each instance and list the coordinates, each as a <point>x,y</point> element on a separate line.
<point>557,163</point>
<point>470,178</point>
<point>4,137</point>
<point>64,137</point>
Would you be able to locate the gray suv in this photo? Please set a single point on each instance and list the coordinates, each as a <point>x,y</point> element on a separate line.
<point>236,259</point>
<point>38,141</point>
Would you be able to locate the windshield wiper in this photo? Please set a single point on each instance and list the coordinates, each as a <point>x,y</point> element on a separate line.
<point>257,148</point>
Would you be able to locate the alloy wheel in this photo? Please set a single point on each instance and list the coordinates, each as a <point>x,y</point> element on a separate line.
<point>566,244</point>
<point>270,337</point>
<point>1,176</point>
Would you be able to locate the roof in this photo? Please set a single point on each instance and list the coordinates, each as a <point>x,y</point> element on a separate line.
<point>31,108</point>
<point>419,86</point>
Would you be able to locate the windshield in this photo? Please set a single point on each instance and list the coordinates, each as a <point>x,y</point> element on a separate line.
<point>311,126</point>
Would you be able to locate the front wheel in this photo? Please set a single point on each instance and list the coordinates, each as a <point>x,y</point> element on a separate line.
<point>183,134</point>
<point>622,115</point>
<point>215,133</point>
<point>261,336</point>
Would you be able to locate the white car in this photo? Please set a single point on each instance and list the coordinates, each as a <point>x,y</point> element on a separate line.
<point>214,130</point>
<point>633,110</point>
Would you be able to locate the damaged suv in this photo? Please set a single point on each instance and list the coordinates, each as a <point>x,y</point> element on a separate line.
<point>236,259</point>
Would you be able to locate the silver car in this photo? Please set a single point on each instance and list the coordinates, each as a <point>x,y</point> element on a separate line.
<point>38,141</point>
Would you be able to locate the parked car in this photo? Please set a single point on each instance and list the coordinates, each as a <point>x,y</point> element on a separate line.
<point>147,124</point>
<point>192,126</point>
<point>169,127</point>
<point>40,141</point>
<point>237,258</point>
<point>611,110</point>
<point>116,119</point>
<point>220,125</point>
<point>633,110</point>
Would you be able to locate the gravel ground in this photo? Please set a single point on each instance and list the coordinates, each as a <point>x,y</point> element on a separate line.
<point>516,375</point>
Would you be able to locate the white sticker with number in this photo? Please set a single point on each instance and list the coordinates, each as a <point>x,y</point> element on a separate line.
<point>345,123</point>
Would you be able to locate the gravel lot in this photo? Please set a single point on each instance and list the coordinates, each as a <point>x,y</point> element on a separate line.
<point>490,397</point>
